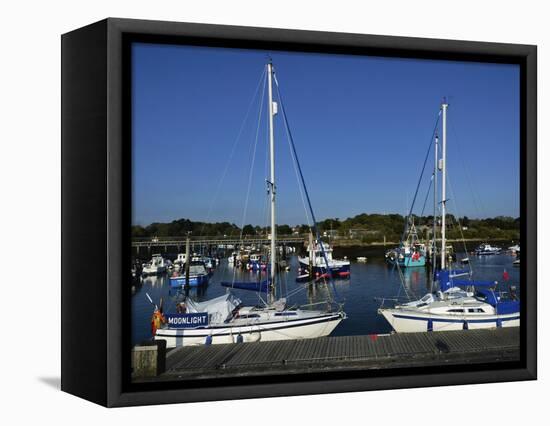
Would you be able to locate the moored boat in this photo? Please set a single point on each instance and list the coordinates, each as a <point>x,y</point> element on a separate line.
<point>459,303</point>
<point>225,319</point>
<point>411,253</point>
<point>198,275</point>
<point>486,249</point>
<point>320,257</point>
<point>157,265</point>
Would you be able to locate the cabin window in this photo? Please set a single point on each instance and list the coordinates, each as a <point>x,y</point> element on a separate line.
<point>476,310</point>
<point>249,316</point>
<point>284,314</point>
<point>455,310</point>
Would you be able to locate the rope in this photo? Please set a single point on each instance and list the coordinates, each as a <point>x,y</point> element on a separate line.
<point>459,224</point>
<point>252,164</point>
<point>419,182</point>
<point>304,185</point>
<point>226,169</point>
<point>481,211</point>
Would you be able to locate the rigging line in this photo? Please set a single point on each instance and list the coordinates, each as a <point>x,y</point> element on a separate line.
<point>477,200</point>
<point>253,162</point>
<point>427,195</point>
<point>298,180</point>
<point>294,161</point>
<point>304,185</point>
<point>235,143</point>
<point>420,180</point>
<point>459,223</point>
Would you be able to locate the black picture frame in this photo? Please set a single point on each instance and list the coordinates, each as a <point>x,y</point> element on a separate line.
<point>96,210</point>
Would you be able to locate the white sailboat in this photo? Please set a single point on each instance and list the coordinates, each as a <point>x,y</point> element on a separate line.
<point>225,320</point>
<point>458,304</point>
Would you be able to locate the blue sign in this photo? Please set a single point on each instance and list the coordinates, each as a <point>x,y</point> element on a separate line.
<point>187,320</point>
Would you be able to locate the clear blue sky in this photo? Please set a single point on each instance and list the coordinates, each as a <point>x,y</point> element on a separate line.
<point>361,125</point>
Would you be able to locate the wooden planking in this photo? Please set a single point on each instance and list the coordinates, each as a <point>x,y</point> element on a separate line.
<point>370,349</point>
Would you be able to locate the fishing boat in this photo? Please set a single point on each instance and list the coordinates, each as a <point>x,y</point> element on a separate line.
<point>198,275</point>
<point>486,250</point>
<point>321,255</point>
<point>256,263</point>
<point>411,252</point>
<point>224,319</point>
<point>460,303</point>
<point>156,266</point>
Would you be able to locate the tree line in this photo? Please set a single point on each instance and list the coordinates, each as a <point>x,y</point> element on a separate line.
<point>363,227</point>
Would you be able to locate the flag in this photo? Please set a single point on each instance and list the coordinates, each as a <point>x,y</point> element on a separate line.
<point>505,275</point>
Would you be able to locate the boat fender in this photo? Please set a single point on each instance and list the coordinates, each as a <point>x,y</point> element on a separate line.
<point>465,325</point>
<point>430,325</point>
<point>208,340</point>
<point>240,338</point>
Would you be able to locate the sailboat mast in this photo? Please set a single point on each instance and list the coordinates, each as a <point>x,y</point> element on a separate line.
<point>443,184</point>
<point>436,154</point>
<point>272,112</point>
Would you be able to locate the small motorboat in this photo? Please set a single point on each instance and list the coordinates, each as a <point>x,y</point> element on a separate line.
<point>486,250</point>
<point>362,259</point>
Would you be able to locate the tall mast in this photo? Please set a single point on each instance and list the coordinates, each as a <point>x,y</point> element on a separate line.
<point>444,106</point>
<point>272,112</point>
<point>436,154</point>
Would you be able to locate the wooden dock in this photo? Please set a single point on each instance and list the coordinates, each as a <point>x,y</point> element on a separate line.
<point>349,352</point>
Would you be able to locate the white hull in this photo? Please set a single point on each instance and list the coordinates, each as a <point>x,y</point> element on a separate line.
<point>403,321</point>
<point>154,270</point>
<point>283,330</point>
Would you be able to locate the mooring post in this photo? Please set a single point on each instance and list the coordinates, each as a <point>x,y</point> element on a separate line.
<point>187,260</point>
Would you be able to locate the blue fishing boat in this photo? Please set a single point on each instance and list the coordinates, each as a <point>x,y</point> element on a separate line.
<point>198,276</point>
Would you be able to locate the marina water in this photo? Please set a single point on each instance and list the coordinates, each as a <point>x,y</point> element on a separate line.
<point>369,282</point>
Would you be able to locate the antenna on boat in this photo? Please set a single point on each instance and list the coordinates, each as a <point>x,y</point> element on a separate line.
<point>443,167</point>
<point>272,112</point>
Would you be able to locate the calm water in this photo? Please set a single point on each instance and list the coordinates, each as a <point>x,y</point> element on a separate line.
<point>368,282</point>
